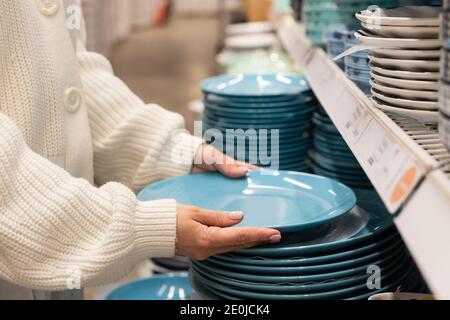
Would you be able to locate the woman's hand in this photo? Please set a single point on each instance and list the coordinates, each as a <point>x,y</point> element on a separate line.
<point>202,233</point>
<point>209,158</point>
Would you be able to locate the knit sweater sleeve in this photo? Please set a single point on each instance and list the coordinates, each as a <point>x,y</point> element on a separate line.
<point>57,231</point>
<point>134,143</point>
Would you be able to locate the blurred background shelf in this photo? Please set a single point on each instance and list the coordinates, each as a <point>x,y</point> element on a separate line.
<point>404,159</point>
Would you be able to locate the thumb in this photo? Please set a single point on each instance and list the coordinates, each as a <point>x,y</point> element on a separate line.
<point>218,218</point>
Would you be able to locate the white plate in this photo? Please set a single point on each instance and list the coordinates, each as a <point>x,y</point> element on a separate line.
<point>374,40</point>
<point>403,32</point>
<point>406,84</point>
<point>248,28</point>
<point>251,41</point>
<point>405,103</point>
<point>404,74</point>
<point>428,117</point>
<point>407,65</point>
<point>406,54</point>
<point>406,93</point>
<point>403,16</point>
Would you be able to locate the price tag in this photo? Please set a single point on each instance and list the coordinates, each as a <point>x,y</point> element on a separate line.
<point>389,165</point>
<point>353,118</point>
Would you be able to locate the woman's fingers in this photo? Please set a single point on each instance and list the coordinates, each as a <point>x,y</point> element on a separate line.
<point>218,218</point>
<point>202,233</point>
<point>237,238</point>
<point>234,169</point>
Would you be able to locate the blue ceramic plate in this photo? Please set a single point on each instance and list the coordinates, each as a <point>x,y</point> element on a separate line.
<point>375,246</point>
<point>336,155</point>
<point>292,287</point>
<point>256,85</point>
<point>355,178</point>
<point>163,287</point>
<point>330,164</point>
<point>330,147</point>
<point>311,269</point>
<point>399,263</point>
<point>298,102</point>
<point>346,173</point>
<point>213,294</point>
<point>283,131</point>
<point>287,201</point>
<point>300,123</point>
<point>335,144</point>
<point>254,102</point>
<point>294,279</point>
<point>272,117</point>
<point>380,221</point>
<point>241,114</point>
<point>406,265</point>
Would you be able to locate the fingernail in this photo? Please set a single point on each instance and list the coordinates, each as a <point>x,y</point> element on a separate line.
<point>275,238</point>
<point>243,169</point>
<point>236,215</point>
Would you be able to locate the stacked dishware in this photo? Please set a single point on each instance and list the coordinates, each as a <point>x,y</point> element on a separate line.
<point>329,250</point>
<point>335,39</point>
<point>331,157</point>
<point>357,66</point>
<point>405,61</point>
<point>444,93</point>
<point>260,118</point>
<point>331,245</point>
<point>323,15</point>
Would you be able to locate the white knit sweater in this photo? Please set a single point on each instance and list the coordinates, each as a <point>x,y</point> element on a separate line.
<point>65,122</point>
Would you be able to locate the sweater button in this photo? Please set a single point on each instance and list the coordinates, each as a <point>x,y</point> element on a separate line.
<point>48,7</point>
<point>72,99</point>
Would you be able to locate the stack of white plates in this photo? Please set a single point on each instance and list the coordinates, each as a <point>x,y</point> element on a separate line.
<point>444,94</point>
<point>405,62</point>
<point>251,41</point>
<point>248,28</point>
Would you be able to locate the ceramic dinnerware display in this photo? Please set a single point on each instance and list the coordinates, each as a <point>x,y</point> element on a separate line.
<point>444,92</point>
<point>320,16</point>
<point>287,201</point>
<point>328,244</point>
<point>263,119</point>
<point>405,61</point>
<point>331,157</point>
<point>323,268</point>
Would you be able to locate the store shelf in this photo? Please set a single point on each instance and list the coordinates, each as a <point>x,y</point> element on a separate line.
<point>424,225</point>
<point>405,161</point>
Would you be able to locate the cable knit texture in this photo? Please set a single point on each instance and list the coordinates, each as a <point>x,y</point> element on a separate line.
<point>54,225</point>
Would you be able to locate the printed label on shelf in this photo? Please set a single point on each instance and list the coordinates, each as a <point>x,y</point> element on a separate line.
<point>389,165</point>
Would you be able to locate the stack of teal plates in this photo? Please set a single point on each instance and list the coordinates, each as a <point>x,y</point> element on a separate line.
<point>262,119</point>
<point>355,266</point>
<point>331,157</point>
<point>321,15</point>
